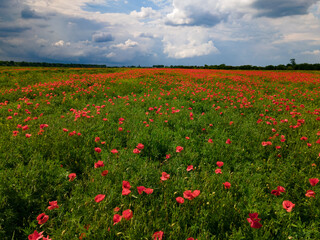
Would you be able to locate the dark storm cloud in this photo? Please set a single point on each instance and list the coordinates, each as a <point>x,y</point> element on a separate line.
<point>28,13</point>
<point>282,8</point>
<point>12,30</point>
<point>102,37</point>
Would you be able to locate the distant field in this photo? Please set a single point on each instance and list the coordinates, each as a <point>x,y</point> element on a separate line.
<point>159,154</point>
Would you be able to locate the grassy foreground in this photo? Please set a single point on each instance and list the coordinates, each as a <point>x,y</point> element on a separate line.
<point>159,154</point>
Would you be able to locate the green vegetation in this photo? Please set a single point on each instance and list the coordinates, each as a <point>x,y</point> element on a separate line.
<point>62,129</point>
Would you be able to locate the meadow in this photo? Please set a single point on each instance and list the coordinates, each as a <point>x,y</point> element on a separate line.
<point>159,154</point>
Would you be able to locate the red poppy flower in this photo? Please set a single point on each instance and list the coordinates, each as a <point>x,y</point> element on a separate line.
<point>46,238</point>
<point>127,214</point>
<point>116,209</point>
<point>189,168</point>
<point>157,235</point>
<point>72,176</point>
<point>179,149</point>
<point>169,155</point>
<point>116,219</point>
<point>276,192</point>
<point>148,191</point>
<point>126,184</point>
<point>310,193</point>
<point>42,218</point>
<point>104,173</point>
<point>98,164</point>
<point>114,151</point>
<point>140,146</point>
<point>220,164</point>
<point>228,141</point>
<point>99,198</point>
<point>141,189</point>
<point>287,205</point>
<point>97,139</point>
<point>28,135</point>
<point>180,200</point>
<point>281,189</point>
<point>254,220</point>
<point>227,185</point>
<point>210,140</point>
<point>53,205</point>
<point>165,176</point>
<point>35,235</point>
<point>136,151</point>
<point>191,195</point>
<point>98,150</point>
<point>313,181</point>
<point>218,171</point>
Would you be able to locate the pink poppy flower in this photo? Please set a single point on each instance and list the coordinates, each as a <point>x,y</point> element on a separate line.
<point>127,214</point>
<point>72,176</point>
<point>99,198</point>
<point>116,219</point>
<point>287,205</point>
<point>157,235</point>
<point>310,193</point>
<point>165,176</point>
<point>53,205</point>
<point>254,220</point>
<point>179,149</point>
<point>313,181</point>
<point>35,235</point>
<point>180,200</point>
<point>189,168</point>
<point>220,164</point>
<point>42,218</point>
<point>99,164</point>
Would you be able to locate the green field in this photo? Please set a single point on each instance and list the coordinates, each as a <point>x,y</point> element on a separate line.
<point>210,148</point>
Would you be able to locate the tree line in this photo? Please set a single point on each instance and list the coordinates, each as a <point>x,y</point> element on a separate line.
<point>290,66</point>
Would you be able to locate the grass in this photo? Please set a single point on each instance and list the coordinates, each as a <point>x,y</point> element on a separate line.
<point>160,108</point>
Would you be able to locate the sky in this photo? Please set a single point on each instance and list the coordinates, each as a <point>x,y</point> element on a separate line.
<point>161,32</point>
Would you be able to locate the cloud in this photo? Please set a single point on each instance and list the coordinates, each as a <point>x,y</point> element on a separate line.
<point>191,49</point>
<point>102,37</point>
<point>281,8</point>
<point>59,43</point>
<point>314,52</point>
<point>124,46</point>
<point>28,13</point>
<point>146,12</point>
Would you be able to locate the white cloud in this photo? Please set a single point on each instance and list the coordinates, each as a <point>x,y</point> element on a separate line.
<point>314,52</point>
<point>188,50</point>
<point>146,12</point>
<point>124,46</point>
<point>110,55</point>
<point>187,42</point>
<point>59,43</point>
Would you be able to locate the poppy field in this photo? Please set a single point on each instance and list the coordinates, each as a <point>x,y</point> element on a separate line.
<point>159,154</point>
